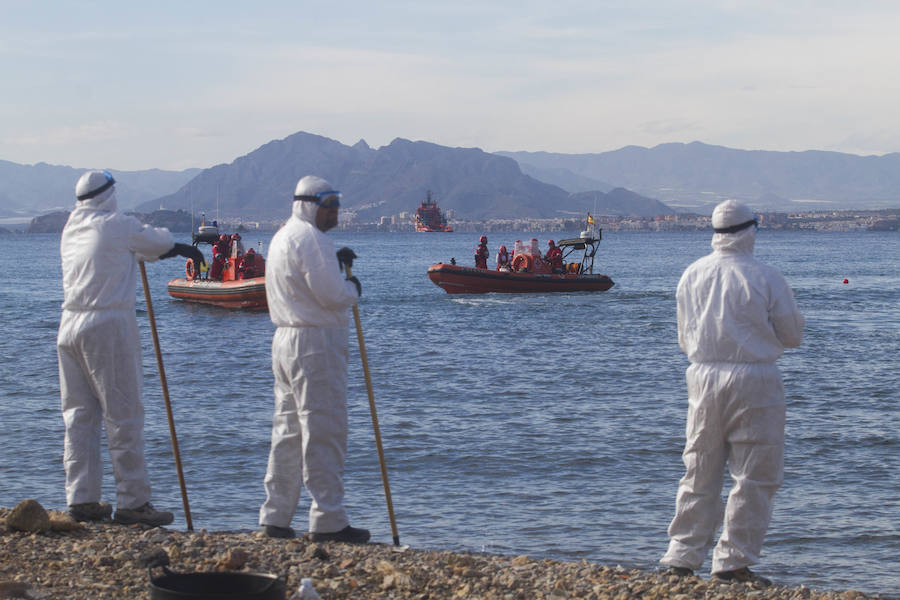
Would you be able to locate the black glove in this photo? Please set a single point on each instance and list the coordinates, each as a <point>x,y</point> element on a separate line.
<point>358,285</point>
<point>187,251</point>
<point>345,256</point>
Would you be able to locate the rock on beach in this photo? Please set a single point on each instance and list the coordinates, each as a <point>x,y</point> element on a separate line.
<point>108,561</point>
<point>28,515</point>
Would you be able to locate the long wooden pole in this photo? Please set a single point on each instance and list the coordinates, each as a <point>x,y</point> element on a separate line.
<point>165,390</point>
<point>384,475</point>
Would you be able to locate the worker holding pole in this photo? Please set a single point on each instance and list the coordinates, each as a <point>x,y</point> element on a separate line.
<point>99,351</point>
<point>308,302</point>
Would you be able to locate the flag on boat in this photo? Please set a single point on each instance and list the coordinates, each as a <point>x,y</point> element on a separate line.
<point>590,219</point>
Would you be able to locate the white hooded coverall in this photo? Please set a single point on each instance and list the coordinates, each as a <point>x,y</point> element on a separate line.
<point>308,299</point>
<point>735,317</point>
<point>99,348</point>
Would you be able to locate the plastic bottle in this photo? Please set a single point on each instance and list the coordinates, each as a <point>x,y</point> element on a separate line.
<point>306,591</point>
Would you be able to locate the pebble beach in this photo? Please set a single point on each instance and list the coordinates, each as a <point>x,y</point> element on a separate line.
<point>60,558</point>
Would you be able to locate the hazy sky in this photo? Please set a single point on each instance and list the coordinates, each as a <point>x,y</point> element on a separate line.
<point>178,84</point>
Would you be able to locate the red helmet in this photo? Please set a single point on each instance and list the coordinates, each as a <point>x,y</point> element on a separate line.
<point>235,236</point>
<point>502,248</point>
<point>483,239</point>
<point>550,243</point>
<point>223,238</point>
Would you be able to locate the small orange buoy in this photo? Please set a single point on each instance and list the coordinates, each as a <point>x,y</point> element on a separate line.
<point>846,281</point>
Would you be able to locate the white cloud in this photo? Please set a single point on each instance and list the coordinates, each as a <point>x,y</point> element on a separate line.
<point>152,89</point>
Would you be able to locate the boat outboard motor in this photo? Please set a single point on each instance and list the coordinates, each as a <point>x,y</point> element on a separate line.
<point>206,233</point>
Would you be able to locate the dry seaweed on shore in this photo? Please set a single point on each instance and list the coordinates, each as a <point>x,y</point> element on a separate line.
<point>104,560</point>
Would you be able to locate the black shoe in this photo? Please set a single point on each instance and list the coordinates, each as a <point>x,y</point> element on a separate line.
<point>90,511</point>
<point>350,535</point>
<point>742,575</point>
<point>679,571</point>
<point>273,531</point>
<point>146,515</point>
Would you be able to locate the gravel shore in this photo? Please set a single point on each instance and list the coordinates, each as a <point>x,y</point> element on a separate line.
<point>102,560</point>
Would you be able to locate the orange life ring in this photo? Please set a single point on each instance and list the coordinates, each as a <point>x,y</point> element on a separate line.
<point>189,272</point>
<point>522,262</point>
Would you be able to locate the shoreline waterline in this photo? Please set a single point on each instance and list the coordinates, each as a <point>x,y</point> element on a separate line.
<point>104,560</point>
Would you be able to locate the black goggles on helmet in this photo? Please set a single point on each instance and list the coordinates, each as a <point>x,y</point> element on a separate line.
<point>109,183</point>
<point>738,227</point>
<point>329,199</point>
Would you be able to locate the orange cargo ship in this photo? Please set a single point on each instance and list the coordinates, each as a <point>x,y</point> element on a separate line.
<point>429,217</point>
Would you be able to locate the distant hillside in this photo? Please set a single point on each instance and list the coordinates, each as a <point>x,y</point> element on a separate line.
<point>49,223</point>
<point>387,181</point>
<point>696,176</point>
<point>621,203</point>
<point>177,221</point>
<point>560,177</point>
<point>31,190</point>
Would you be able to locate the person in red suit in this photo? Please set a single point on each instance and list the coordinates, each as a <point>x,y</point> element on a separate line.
<point>554,257</point>
<point>482,254</point>
<point>250,265</point>
<point>503,258</point>
<point>220,254</point>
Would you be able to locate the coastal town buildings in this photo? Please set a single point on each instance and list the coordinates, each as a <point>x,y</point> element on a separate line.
<point>843,220</point>
<point>850,220</point>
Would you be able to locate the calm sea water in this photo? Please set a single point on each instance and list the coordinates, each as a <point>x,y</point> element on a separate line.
<point>548,425</point>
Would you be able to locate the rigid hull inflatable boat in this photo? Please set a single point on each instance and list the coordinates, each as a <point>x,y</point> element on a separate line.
<point>528,272</point>
<point>235,279</point>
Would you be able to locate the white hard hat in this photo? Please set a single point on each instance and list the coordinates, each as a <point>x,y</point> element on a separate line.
<point>732,216</point>
<point>93,183</point>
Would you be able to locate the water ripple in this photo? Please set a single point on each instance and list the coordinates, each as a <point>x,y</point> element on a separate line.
<point>543,424</point>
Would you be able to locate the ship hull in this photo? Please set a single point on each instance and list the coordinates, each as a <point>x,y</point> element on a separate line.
<point>455,279</point>
<point>427,229</point>
<point>247,294</point>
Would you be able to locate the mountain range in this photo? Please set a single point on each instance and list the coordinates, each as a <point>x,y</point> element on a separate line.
<point>388,181</point>
<point>695,177</point>
<point>476,185</point>
<point>29,190</point>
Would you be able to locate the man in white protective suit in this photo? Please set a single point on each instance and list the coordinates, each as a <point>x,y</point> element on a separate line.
<point>735,317</point>
<point>308,301</point>
<point>99,351</point>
